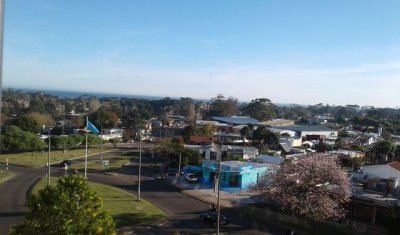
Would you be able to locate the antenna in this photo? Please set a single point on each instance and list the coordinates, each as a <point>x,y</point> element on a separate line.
<point>209,89</point>
<point>209,97</point>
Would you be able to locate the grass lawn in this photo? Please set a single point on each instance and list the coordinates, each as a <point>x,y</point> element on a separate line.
<point>4,175</point>
<point>123,206</point>
<point>40,158</point>
<point>115,163</point>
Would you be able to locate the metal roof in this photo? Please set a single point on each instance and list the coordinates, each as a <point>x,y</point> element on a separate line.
<point>238,120</point>
<point>299,128</point>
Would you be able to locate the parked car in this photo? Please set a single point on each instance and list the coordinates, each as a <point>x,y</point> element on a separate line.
<point>211,218</point>
<point>65,162</point>
<point>172,172</point>
<point>191,178</point>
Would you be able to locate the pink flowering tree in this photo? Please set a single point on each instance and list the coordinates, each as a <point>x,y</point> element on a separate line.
<point>313,187</point>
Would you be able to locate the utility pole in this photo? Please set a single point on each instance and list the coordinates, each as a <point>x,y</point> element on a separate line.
<point>140,165</point>
<point>48,160</point>
<point>179,167</point>
<point>101,145</point>
<point>86,145</point>
<point>180,160</point>
<point>219,186</point>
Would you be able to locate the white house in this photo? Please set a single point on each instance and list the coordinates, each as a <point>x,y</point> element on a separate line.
<point>112,133</point>
<point>304,131</point>
<point>246,152</point>
<point>389,171</point>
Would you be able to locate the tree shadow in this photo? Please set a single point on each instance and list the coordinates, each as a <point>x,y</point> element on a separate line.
<point>129,219</point>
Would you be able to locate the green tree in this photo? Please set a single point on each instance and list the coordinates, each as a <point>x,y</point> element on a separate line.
<point>74,140</point>
<point>187,132</point>
<point>205,130</point>
<point>70,207</point>
<point>42,119</point>
<point>221,106</point>
<point>357,147</point>
<point>261,109</point>
<point>92,139</point>
<point>385,147</point>
<point>114,141</point>
<point>60,142</point>
<point>37,105</point>
<point>104,117</point>
<point>267,137</point>
<point>16,140</point>
<point>339,142</point>
<point>188,156</point>
<point>26,123</point>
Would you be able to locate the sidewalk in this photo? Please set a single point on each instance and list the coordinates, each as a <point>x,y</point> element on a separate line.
<point>205,192</point>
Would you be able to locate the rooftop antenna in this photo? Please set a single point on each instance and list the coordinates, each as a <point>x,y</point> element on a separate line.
<point>209,89</point>
<point>209,97</point>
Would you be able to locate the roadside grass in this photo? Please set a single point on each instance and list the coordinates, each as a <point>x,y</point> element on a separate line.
<point>5,175</point>
<point>115,163</point>
<point>40,158</point>
<point>123,206</point>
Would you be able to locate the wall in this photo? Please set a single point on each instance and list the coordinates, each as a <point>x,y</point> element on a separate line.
<point>381,171</point>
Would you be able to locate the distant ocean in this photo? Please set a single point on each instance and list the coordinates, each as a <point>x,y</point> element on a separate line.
<point>76,94</point>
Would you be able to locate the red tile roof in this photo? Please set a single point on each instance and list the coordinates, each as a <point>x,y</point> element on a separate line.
<point>195,139</point>
<point>395,165</point>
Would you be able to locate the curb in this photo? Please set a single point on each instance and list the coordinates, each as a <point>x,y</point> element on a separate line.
<point>199,198</point>
<point>5,179</point>
<point>130,229</point>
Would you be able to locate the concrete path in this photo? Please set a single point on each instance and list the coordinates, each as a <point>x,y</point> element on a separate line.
<point>206,193</point>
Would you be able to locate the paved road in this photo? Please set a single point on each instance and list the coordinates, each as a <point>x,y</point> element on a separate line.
<point>182,211</point>
<point>12,195</point>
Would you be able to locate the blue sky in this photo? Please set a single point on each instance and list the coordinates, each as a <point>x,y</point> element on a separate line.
<point>306,52</point>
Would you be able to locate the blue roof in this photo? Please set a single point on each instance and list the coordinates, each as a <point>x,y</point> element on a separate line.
<point>269,159</point>
<point>298,128</point>
<point>236,120</point>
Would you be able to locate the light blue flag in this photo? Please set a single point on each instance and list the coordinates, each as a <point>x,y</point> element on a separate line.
<point>91,127</point>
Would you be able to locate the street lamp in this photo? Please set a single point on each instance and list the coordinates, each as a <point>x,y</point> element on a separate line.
<point>140,165</point>
<point>101,145</point>
<point>48,159</point>
<point>218,177</point>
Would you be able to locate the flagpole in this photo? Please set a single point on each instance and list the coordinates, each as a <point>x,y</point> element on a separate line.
<point>86,152</point>
<point>101,146</point>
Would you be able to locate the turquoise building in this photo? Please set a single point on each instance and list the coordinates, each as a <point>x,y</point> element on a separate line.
<point>235,175</point>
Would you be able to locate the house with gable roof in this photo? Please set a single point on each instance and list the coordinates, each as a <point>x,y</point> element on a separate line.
<point>382,178</point>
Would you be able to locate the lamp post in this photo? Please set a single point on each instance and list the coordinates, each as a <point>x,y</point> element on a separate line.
<point>101,145</point>
<point>140,165</point>
<point>48,159</point>
<point>219,189</point>
<point>218,177</point>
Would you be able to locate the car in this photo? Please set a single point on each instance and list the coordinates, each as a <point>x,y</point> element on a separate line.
<point>211,218</point>
<point>191,178</point>
<point>172,172</point>
<point>65,162</point>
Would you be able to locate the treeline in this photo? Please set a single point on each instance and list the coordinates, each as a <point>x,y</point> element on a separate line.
<point>34,111</point>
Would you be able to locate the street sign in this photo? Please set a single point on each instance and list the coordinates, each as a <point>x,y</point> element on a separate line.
<point>106,162</point>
